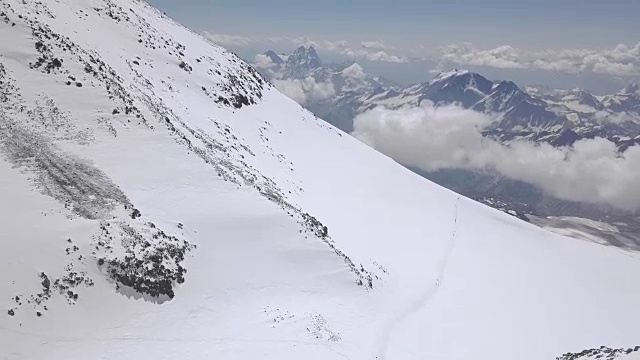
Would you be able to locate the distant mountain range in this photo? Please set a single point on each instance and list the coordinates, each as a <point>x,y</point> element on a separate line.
<point>535,113</point>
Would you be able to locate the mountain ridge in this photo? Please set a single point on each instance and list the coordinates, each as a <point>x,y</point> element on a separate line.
<point>541,116</point>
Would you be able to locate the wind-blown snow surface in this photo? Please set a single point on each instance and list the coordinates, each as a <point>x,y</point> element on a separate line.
<point>144,151</point>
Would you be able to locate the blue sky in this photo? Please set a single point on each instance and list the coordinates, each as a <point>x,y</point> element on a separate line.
<point>416,31</point>
<point>556,22</point>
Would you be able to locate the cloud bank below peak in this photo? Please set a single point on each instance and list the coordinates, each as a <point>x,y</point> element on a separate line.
<point>432,138</point>
<point>306,90</point>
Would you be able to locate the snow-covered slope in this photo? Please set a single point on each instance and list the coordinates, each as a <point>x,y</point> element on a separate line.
<point>162,201</point>
<point>626,100</point>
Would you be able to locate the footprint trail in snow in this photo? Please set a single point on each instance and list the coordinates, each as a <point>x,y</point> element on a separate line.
<point>426,297</point>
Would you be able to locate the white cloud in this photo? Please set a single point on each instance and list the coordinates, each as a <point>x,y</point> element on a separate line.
<point>603,117</point>
<point>354,71</point>
<point>303,41</point>
<point>503,57</point>
<point>263,62</point>
<point>373,55</point>
<point>622,60</point>
<point>307,90</point>
<point>369,50</point>
<point>229,40</point>
<point>375,45</point>
<point>335,45</point>
<point>432,138</point>
<point>559,65</point>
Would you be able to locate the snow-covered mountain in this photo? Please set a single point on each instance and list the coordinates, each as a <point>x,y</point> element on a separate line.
<point>627,100</point>
<point>581,100</point>
<point>162,201</point>
<point>299,63</point>
<point>537,113</point>
<point>558,117</point>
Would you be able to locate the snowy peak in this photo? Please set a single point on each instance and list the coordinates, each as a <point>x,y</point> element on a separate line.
<point>518,110</point>
<point>300,64</point>
<point>449,74</point>
<point>509,92</point>
<point>304,59</point>
<point>538,90</point>
<point>582,97</point>
<point>504,96</point>
<point>506,87</point>
<point>460,79</point>
<point>626,100</point>
<point>457,86</point>
<point>631,89</point>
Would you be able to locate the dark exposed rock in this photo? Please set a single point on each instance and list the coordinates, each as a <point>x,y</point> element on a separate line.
<point>601,352</point>
<point>151,264</point>
<point>46,283</point>
<point>135,214</point>
<point>184,66</point>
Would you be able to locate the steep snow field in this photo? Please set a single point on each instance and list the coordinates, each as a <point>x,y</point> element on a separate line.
<point>161,201</point>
